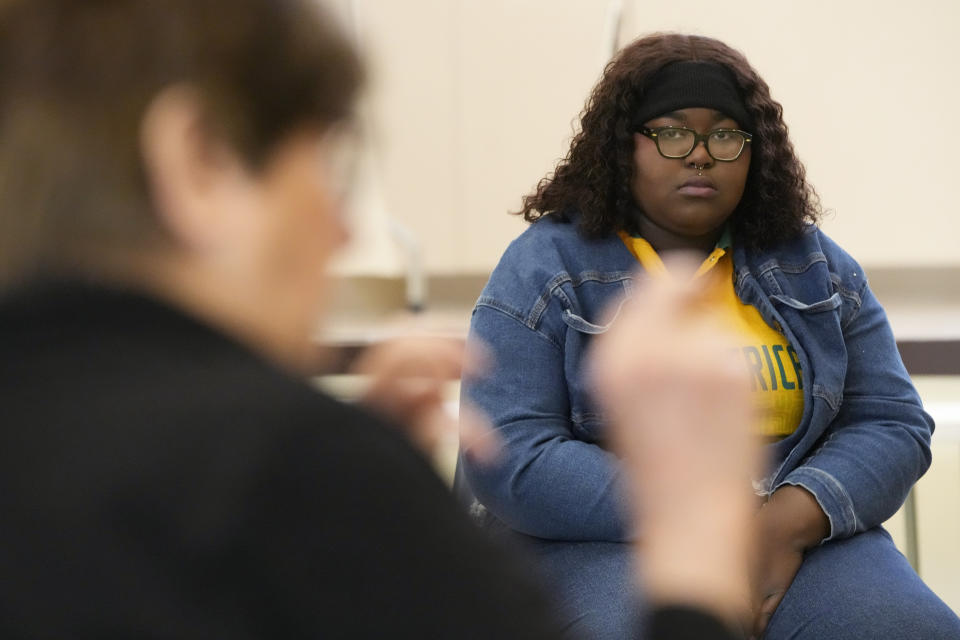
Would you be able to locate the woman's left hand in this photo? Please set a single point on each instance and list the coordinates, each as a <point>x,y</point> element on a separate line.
<point>786,526</point>
<point>775,567</point>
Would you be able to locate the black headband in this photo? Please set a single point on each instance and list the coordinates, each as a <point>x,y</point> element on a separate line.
<point>682,85</point>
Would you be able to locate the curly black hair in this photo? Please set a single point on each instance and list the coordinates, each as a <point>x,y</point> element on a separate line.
<point>595,177</point>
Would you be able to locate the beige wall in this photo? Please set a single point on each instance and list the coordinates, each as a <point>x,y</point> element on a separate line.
<point>473,101</point>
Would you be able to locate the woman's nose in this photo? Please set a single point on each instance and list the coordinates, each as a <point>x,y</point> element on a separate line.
<point>699,156</point>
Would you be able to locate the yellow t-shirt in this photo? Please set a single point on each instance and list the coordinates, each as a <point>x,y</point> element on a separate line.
<point>773,363</point>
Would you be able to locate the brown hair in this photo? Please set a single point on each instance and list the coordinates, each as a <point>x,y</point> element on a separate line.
<point>76,79</point>
<point>595,177</point>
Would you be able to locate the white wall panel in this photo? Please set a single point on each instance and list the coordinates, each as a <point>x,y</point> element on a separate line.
<point>474,100</point>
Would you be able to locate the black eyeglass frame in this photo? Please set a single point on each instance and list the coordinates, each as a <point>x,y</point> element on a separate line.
<point>654,132</point>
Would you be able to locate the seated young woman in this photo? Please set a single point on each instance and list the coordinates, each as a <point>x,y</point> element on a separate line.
<point>682,148</point>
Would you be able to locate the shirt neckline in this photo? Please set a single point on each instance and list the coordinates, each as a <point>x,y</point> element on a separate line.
<point>651,262</point>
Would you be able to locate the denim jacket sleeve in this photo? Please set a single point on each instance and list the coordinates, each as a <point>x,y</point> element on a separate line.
<point>878,444</point>
<point>546,483</point>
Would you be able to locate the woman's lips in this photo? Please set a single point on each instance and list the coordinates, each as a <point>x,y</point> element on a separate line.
<point>698,187</point>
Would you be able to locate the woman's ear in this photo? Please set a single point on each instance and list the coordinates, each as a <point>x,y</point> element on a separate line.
<point>194,177</point>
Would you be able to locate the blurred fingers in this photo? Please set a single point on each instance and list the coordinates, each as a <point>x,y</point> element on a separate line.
<point>432,357</point>
<point>478,439</point>
<point>408,382</point>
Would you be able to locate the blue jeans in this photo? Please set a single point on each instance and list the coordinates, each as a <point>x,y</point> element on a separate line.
<point>859,588</point>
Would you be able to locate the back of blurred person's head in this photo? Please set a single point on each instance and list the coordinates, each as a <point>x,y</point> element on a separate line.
<point>77,77</point>
<point>118,119</point>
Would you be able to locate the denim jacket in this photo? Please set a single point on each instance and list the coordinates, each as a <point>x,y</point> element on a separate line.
<point>862,442</point>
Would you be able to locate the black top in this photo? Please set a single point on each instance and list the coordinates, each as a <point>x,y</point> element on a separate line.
<point>685,623</point>
<point>159,480</point>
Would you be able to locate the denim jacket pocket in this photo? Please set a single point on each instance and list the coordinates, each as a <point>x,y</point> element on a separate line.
<point>581,324</point>
<point>817,329</point>
<point>586,421</point>
<point>830,304</point>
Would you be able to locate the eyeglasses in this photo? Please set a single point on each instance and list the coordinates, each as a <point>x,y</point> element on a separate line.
<point>724,145</point>
<point>340,152</point>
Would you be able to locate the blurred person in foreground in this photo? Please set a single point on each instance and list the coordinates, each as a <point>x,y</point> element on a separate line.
<point>170,181</point>
<point>170,185</point>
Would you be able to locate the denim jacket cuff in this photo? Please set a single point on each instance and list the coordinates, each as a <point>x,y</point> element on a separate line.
<point>830,495</point>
